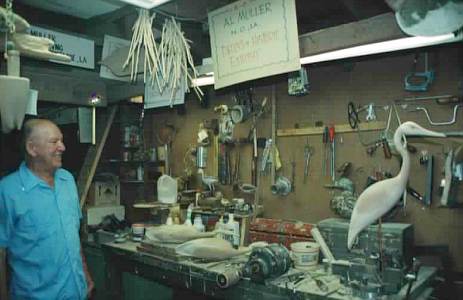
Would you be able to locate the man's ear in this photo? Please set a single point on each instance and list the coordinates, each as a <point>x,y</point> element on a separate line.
<point>30,148</point>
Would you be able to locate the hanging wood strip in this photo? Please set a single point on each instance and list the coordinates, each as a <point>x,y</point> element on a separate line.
<point>341,128</point>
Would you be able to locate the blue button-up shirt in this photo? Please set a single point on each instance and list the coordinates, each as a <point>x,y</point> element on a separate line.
<point>39,227</point>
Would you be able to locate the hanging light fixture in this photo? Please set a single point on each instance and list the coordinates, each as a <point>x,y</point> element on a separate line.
<point>147,4</point>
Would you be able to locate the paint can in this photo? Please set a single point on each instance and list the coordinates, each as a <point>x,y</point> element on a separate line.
<point>305,254</point>
<point>138,232</point>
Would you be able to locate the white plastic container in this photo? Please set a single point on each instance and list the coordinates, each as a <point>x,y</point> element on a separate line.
<point>305,254</point>
<point>198,223</point>
<point>167,189</point>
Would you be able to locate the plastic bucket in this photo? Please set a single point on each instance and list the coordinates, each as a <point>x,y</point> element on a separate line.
<point>305,254</point>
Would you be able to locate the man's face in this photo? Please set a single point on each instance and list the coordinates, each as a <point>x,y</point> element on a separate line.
<point>47,146</point>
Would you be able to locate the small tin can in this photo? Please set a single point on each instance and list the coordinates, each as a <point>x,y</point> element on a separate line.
<point>126,156</point>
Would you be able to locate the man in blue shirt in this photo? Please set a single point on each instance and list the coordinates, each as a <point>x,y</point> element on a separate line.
<point>40,220</point>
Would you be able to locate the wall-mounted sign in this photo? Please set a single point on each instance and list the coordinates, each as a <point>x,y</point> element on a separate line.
<point>252,39</point>
<point>80,50</point>
<point>110,45</point>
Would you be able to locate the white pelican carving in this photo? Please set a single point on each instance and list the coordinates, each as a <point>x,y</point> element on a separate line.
<point>379,198</point>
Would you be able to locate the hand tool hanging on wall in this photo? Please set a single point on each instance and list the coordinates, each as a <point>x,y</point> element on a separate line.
<point>236,170</point>
<point>371,115</point>
<point>244,106</point>
<point>428,161</point>
<point>282,186</point>
<point>353,113</point>
<point>439,99</point>
<point>253,134</point>
<point>333,152</point>
<point>266,155</point>
<point>256,115</point>
<point>325,150</point>
<point>224,164</point>
<point>298,83</point>
<point>450,122</point>
<point>293,174</point>
<point>307,154</point>
<point>354,122</point>
<point>419,81</point>
<point>453,176</point>
<point>380,143</point>
<point>254,157</point>
<point>226,124</point>
<point>274,134</point>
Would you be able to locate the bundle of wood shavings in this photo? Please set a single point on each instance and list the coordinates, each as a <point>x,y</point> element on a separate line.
<point>169,63</point>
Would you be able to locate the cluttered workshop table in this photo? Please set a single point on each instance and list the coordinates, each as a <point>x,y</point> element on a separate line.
<point>226,279</point>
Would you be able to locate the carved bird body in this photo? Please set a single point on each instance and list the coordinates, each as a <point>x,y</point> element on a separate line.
<point>380,197</point>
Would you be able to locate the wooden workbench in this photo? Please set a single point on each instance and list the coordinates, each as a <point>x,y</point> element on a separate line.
<point>201,277</point>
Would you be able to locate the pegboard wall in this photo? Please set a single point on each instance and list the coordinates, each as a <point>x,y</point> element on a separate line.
<point>378,80</point>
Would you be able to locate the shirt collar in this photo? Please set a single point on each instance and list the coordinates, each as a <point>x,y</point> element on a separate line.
<point>30,180</point>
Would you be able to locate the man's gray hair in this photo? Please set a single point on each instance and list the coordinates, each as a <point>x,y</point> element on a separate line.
<point>28,129</point>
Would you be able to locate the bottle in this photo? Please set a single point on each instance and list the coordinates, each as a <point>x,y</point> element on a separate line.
<point>188,215</point>
<point>233,231</point>
<point>219,227</point>
<point>198,223</point>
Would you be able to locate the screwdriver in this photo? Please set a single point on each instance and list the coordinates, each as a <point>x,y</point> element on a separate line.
<point>325,141</point>
<point>331,134</point>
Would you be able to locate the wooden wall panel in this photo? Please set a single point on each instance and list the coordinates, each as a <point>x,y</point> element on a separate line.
<point>379,80</point>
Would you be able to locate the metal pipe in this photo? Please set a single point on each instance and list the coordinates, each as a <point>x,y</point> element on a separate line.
<point>411,99</point>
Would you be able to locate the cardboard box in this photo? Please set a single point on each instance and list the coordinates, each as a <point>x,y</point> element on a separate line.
<point>104,194</point>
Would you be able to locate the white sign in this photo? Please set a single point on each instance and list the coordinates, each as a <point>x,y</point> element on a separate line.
<point>81,51</point>
<point>252,39</point>
<point>154,98</point>
<point>111,44</point>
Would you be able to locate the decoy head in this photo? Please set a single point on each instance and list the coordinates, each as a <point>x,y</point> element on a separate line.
<point>411,128</point>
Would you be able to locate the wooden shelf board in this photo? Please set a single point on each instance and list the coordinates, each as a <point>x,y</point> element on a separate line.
<point>341,128</point>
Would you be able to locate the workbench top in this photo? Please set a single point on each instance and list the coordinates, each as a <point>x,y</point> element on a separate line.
<point>201,277</point>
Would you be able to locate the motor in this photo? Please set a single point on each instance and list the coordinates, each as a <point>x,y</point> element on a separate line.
<point>267,262</point>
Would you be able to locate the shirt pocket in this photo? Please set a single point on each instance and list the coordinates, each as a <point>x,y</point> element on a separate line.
<point>35,233</point>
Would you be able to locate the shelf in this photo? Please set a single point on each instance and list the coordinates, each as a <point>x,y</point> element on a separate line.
<point>118,161</point>
<point>221,213</point>
<point>132,181</point>
<point>130,147</point>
